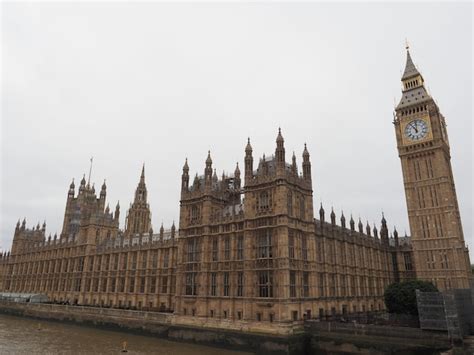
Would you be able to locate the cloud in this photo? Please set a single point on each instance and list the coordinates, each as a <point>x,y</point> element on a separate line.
<point>158,82</point>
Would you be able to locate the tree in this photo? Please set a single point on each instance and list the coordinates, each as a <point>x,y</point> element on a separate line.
<point>400,297</point>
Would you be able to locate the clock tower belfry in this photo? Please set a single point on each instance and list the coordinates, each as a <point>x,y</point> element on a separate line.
<point>440,253</point>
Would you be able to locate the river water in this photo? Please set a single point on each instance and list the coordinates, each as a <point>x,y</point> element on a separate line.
<point>30,336</point>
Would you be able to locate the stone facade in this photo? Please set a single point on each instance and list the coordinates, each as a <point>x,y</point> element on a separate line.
<point>249,250</point>
<point>92,262</point>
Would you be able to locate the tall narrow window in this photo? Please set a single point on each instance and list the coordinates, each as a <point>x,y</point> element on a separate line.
<point>164,284</point>
<point>263,201</point>
<point>289,202</point>
<point>215,249</point>
<point>321,285</point>
<point>226,284</point>
<point>166,257</point>
<point>264,242</point>
<point>265,283</point>
<point>292,284</point>
<point>305,284</point>
<point>240,247</point>
<point>192,250</point>
<point>291,244</point>
<point>304,247</point>
<point>240,284</point>
<point>213,284</point>
<point>227,248</point>
<point>191,286</point>
<point>302,207</point>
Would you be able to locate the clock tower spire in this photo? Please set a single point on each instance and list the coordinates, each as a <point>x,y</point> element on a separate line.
<point>439,250</point>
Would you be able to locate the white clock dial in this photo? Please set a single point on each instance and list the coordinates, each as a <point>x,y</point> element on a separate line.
<point>416,130</point>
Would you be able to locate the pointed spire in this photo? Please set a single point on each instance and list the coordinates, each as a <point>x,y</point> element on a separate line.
<point>142,176</point>
<point>305,151</point>
<point>208,160</point>
<point>103,189</point>
<point>376,232</point>
<point>294,168</point>
<point>279,136</point>
<point>367,229</point>
<point>248,148</point>
<point>214,176</point>
<point>352,223</point>
<point>306,165</point>
<point>321,212</point>
<point>280,153</point>
<point>83,180</point>
<point>343,220</point>
<point>186,167</point>
<point>410,68</point>
<point>333,217</point>
<point>361,226</point>
<point>72,186</point>
<point>237,171</point>
<point>173,230</point>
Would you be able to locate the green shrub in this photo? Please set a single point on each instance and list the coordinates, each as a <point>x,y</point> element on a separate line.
<point>400,297</point>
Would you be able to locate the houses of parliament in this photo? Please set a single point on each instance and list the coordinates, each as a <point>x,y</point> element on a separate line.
<point>248,247</point>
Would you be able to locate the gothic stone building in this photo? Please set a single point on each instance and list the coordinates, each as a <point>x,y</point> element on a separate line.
<point>249,250</point>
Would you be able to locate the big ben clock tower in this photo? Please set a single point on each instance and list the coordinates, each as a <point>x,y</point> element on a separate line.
<point>439,250</point>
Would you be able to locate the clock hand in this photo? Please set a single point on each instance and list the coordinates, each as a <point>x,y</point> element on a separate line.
<point>414,127</point>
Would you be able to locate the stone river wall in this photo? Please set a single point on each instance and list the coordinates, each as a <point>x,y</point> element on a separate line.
<point>164,325</point>
<point>315,338</point>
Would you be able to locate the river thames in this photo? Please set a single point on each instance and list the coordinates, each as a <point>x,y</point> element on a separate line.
<point>31,336</point>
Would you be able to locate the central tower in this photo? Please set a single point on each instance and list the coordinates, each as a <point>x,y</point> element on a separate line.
<point>423,147</point>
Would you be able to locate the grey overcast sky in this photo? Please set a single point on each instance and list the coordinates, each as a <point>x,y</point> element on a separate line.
<point>148,82</point>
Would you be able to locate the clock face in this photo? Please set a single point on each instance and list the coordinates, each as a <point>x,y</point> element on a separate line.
<point>416,130</point>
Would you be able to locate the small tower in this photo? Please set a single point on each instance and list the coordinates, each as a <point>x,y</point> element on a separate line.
<point>185,177</point>
<point>237,181</point>
<point>384,231</point>
<point>361,227</point>
<point>333,217</point>
<point>280,154</point>
<point>306,165</point>
<point>343,220</point>
<point>103,194</point>
<point>208,172</point>
<point>395,236</point>
<point>248,162</point>
<point>173,231</point>
<point>352,224</point>
<point>71,192</point>
<point>294,167</point>
<point>138,219</point>
<point>367,229</point>
<point>321,213</point>
<point>117,211</point>
<point>162,232</point>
